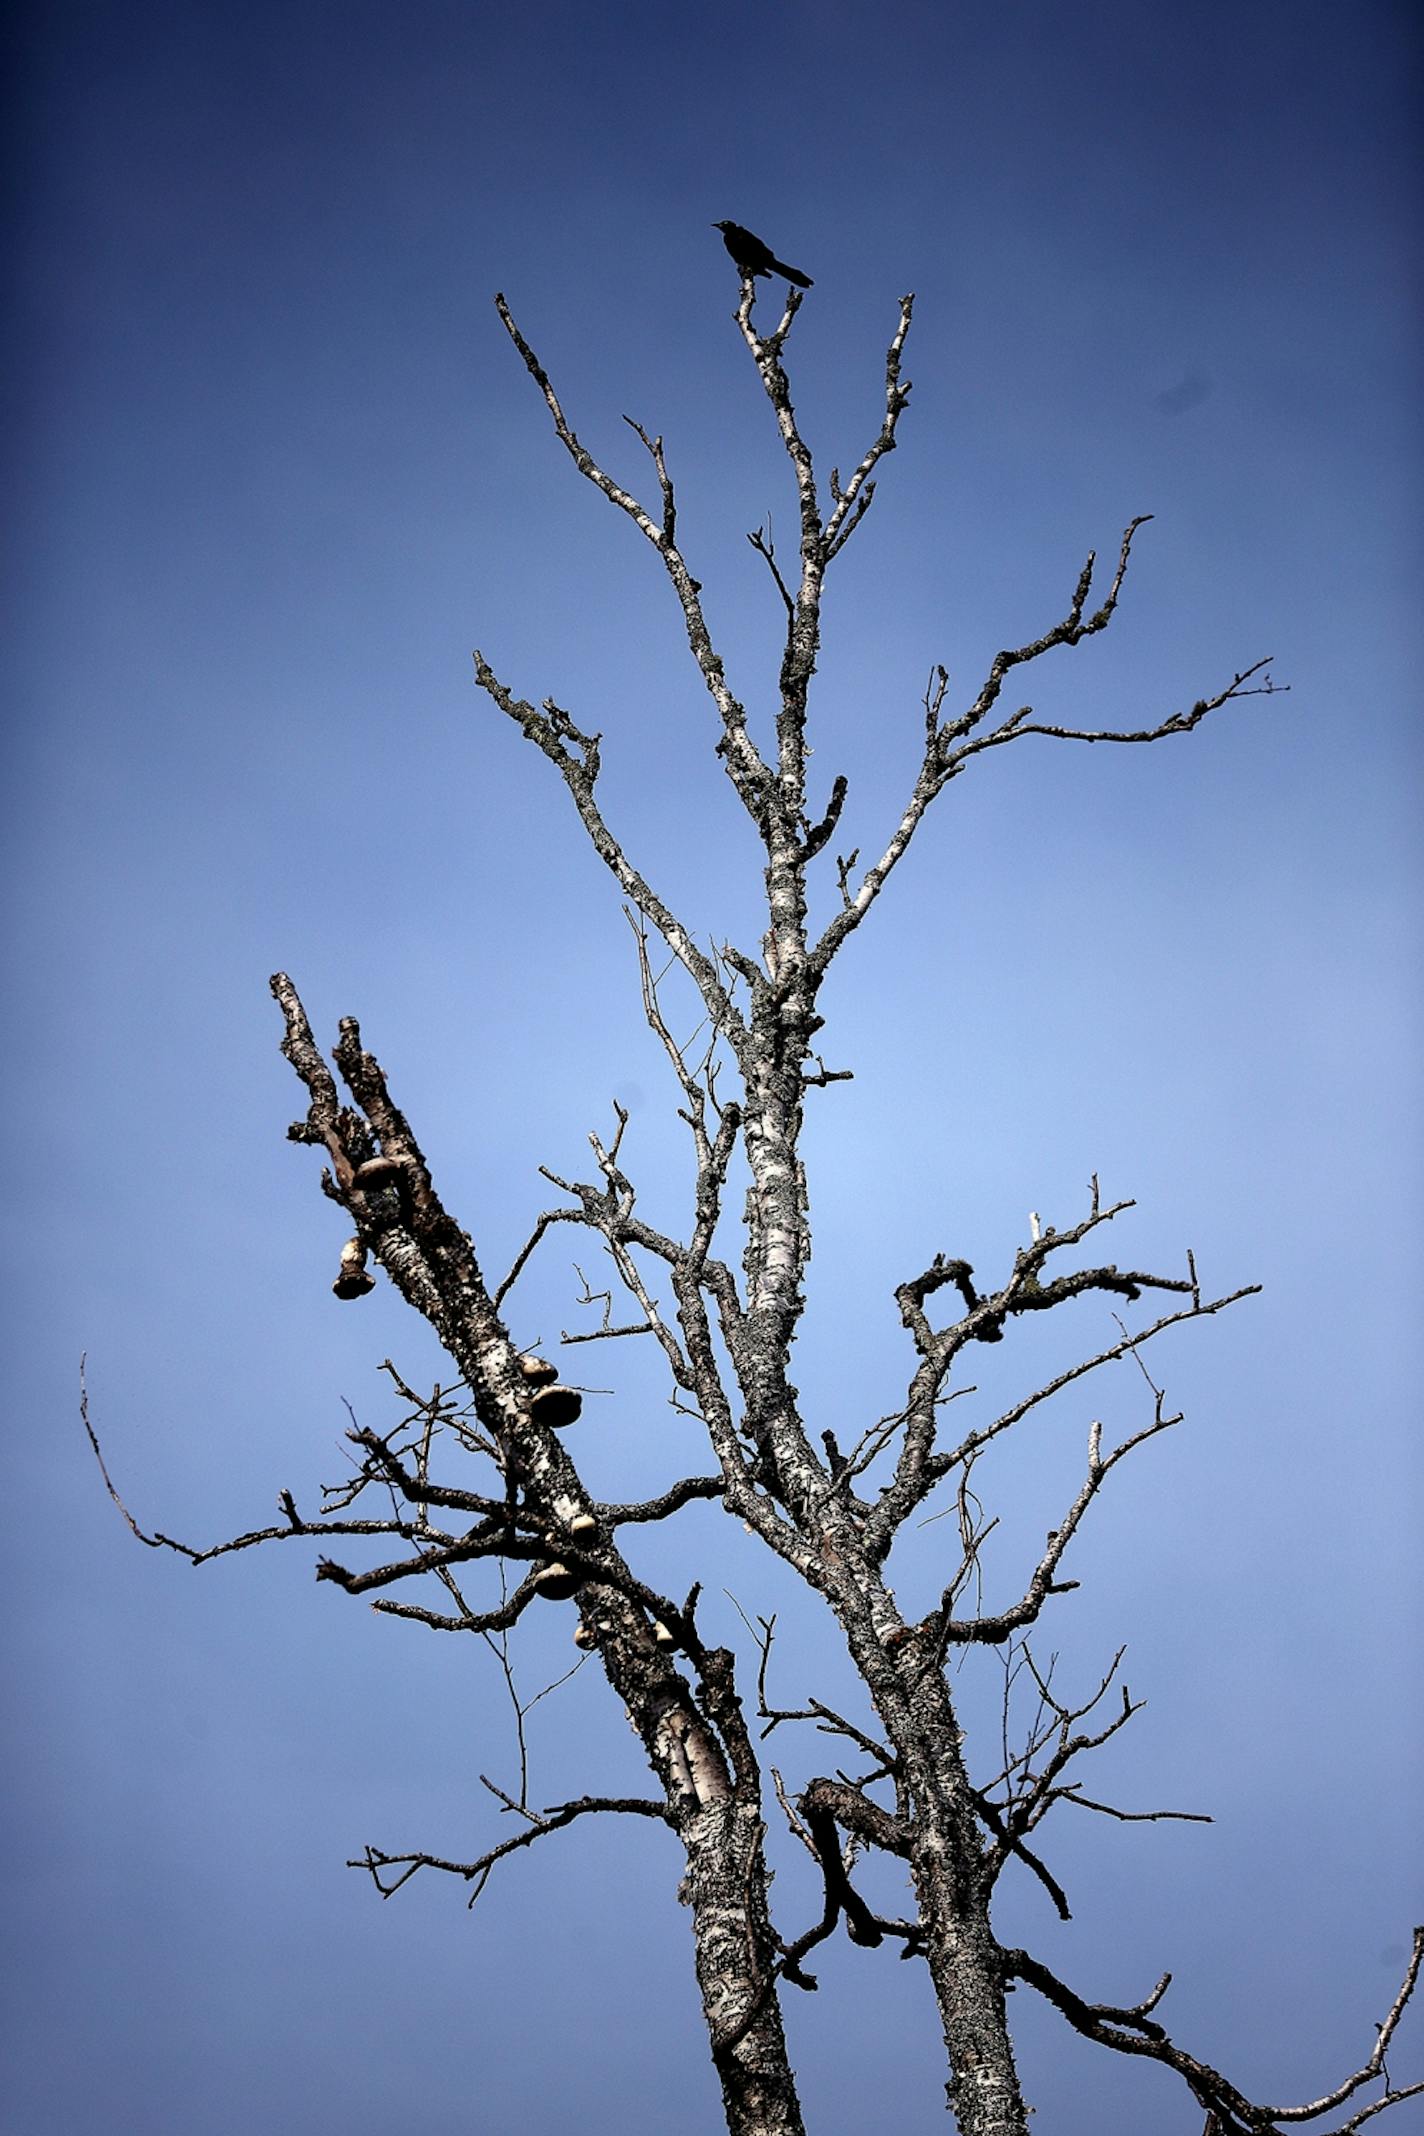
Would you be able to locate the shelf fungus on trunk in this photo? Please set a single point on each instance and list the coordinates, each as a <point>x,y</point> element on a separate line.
<point>353,1279</point>
<point>556,1583</point>
<point>557,1406</point>
<point>537,1370</point>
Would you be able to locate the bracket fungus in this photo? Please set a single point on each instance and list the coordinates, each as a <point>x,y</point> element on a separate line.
<point>353,1280</point>
<point>557,1406</point>
<point>556,1583</point>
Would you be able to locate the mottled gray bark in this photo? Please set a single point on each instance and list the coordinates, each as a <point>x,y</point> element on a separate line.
<point>696,1745</point>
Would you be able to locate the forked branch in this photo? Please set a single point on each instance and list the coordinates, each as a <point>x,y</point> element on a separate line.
<point>749,775</point>
<point>541,1823</point>
<point>1229,2111</point>
<point>950,743</point>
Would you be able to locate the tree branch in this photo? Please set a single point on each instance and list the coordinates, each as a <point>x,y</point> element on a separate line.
<point>1132,2031</point>
<point>749,775</point>
<point>551,731</point>
<point>949,744</point>
<point>543,1822</point>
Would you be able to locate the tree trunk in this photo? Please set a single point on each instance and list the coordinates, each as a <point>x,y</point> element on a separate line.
<point>725,1886</point>
<point>945,1853</point>
<point>964,1963</point>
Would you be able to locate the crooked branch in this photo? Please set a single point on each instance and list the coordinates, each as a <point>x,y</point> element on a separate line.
<point>542,1822</point>
<point>749,775</point>
<point>1133,2031</point>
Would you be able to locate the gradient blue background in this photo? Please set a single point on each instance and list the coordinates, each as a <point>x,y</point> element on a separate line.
<point>279,469</point>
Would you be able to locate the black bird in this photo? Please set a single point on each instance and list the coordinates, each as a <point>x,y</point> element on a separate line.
<point>752,257</point>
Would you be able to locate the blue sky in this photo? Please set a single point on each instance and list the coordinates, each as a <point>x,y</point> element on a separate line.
<point>279,471</point>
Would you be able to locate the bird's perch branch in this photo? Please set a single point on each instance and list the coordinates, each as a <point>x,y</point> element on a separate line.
<point>748,773</point>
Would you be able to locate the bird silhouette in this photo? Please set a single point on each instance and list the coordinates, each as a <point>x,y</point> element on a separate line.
<point>752,257</point>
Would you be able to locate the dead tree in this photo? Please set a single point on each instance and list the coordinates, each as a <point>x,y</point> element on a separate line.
<point>484,1473</point>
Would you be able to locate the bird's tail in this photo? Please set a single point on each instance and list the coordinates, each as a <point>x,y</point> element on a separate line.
<point>802,281</point>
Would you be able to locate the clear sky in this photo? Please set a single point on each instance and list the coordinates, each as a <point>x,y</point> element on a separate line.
<point>279,470</point>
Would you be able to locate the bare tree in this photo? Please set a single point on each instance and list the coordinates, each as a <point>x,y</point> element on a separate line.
<point>480,1471</point>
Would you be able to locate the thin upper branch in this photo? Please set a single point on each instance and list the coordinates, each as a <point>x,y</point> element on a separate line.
<point>950,743</point>
<point>575,756</point>
<point>541,1823</point>
<point>1074,627</point>
<point>1031,1790</point>
<point>1022,722</point>
<point>749,775</point>
<point>819,541</point>
<point>852,502</point>
<point>1027,1289</point>
<point>993,1629</point>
